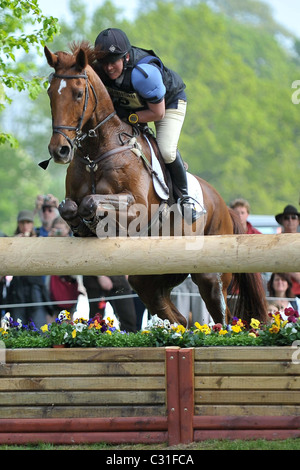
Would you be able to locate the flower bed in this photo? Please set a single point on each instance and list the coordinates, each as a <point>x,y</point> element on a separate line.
<point>153,386</point>
<point>282,330</point>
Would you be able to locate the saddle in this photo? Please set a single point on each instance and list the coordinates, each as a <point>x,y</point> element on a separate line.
<point>164,187</point>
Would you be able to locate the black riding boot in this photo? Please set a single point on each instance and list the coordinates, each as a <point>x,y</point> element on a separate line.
<point>179,178</point>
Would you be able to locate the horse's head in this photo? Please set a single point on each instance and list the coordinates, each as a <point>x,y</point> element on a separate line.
<point>72,100</point>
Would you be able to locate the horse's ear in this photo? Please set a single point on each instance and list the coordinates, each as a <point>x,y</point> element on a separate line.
<point>51,58</point>
<point>81,60</point>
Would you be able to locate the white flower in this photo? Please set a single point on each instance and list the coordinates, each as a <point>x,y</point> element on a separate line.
<point>176,335</point>
<point>80,326</point>
<point>63,315</point>
<point>5,322</point>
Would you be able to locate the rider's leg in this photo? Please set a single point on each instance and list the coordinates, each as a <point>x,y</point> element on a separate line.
<point>167,135</point>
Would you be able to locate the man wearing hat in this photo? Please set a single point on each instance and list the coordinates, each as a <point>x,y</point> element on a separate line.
<point>290,221</point>
<point>47,208</point>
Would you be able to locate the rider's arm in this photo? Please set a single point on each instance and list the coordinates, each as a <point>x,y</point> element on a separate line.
<point>147,81</point>
<point>155,112</point>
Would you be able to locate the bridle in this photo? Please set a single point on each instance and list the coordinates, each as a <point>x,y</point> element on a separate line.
<point>79,135</point>
<point>78,131</point>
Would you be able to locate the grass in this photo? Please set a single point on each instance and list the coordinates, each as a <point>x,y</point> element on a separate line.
<point>231,445</point>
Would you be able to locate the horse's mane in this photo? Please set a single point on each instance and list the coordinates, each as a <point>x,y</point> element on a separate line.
<point>67,59</point>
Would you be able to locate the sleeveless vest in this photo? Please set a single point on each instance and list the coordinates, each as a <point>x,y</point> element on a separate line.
<point>124,95</point>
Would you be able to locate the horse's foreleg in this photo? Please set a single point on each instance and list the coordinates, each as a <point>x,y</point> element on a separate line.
<point>106,214</point>
<point>68,210</point>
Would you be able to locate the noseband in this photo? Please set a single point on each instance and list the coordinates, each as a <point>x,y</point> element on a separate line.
<point>79,135</point>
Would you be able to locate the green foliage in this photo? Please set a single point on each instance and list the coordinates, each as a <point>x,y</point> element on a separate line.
<point>15,16</point>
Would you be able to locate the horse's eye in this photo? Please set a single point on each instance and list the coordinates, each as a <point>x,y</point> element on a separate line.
<point>78,95</point>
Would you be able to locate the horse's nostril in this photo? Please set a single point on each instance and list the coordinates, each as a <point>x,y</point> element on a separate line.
<point>64,151</point>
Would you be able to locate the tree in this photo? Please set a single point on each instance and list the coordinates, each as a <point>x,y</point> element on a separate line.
<point>15,74</point>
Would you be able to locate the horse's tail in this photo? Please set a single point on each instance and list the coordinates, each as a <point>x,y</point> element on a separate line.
<point>251,296</point>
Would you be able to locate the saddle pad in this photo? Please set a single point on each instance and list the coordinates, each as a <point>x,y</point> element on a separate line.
<point>161,189</point>
<point>158,178</point>
<point>195,189</point>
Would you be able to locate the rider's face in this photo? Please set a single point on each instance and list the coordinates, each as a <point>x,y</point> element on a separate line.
<point>113,69</point>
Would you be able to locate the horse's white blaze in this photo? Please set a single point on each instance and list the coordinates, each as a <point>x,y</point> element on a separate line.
<point>62,85</point>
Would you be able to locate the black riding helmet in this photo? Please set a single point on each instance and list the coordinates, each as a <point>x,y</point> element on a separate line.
<point>113,43</point>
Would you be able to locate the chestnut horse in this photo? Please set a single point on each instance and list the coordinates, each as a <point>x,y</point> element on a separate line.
<point>110,171</point>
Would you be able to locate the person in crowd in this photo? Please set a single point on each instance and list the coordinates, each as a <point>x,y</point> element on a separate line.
<point>190,304</point>
<point>27,289</point>
<point>59,228</point>
<point>280,293</point>
<point>63,288</point>
<point>289,219</point>
<point>25,224</point>
<point>46,206</point>
<point>109,286</point>
<point>144,90</point>
<point>242,209</point>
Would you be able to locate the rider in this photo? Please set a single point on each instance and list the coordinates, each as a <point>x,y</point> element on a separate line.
<point>144,90</point>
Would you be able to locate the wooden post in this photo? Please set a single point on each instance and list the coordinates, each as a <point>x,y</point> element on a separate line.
<point>186,394</point>
<point>172,388</point>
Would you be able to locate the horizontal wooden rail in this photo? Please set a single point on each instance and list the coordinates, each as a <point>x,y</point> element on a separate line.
<point>151,255</point>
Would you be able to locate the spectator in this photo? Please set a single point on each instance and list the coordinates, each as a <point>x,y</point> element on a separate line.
<point>63,288</point>
<point>25,224</point>
<point>289,219</point>
<point>47,209</point>
<point>59,228</point>
<point>280,292</point>
<point>28,289</point>
<point>242,208</point>
<point>104,286</point>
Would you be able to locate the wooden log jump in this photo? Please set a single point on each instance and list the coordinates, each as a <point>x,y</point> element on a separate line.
<point>150,255</point>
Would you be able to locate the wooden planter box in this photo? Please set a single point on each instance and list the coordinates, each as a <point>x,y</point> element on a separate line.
<point>148,395</point>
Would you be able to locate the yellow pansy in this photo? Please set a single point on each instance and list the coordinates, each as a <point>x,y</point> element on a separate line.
<point>236,328</point>
<point>223,332</point>
<point>252,334</point>
<point>255,324</point>
<point>274,329</point>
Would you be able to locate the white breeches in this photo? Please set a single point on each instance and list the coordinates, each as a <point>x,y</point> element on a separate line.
<point>168,131</point>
